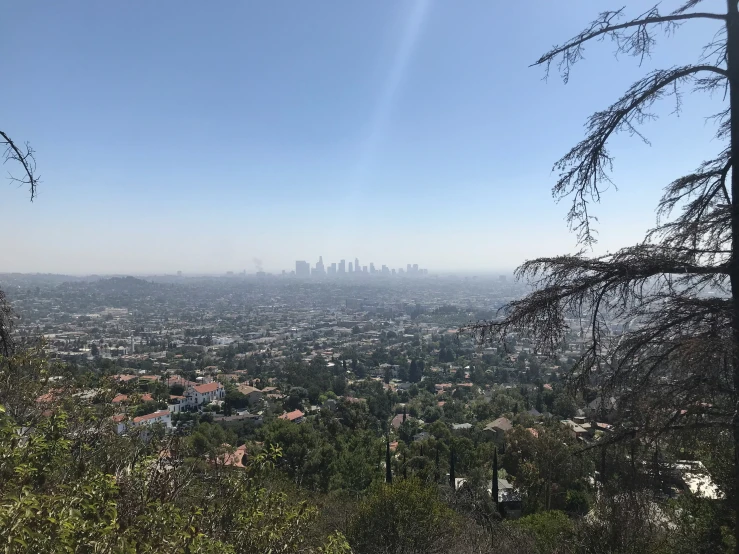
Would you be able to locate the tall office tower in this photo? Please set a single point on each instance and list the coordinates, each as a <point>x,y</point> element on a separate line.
<point>342,267</point>
<point>357,267</point>
<point>302,269</point>
<point>331,270</point>
<point>415,268</point>
<point>372,267</point>
<point>408,268</point>
<point>364,269</point>
<point>393,272</point>
<point>320,269</point>
<point>351,268</point>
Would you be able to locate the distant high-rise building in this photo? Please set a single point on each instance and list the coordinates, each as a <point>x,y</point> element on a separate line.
<point>179,274</point>
<point>351,267</point>
<point>342,267</point>
<point>357,267</point>
<point>372,267</point>
<point>320,269</point>
<point>302,268</point>
<point>331,270</point>
<point>415,268</point>
<point>385,270</point>
<point>408,268</point>
<point>393,271</point>
<point>364,269</point>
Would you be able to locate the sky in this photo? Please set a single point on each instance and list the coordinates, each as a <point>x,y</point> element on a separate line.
<point>207,137</point>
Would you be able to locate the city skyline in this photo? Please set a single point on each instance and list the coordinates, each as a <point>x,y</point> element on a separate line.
<point>320,269</point>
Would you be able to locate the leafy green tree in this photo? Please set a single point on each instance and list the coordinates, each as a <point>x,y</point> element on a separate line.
<point>551,530</point>
<point>404,517</point>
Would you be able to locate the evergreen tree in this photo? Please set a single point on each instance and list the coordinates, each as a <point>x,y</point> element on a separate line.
<point>681,282</point>
<point>437,473</point>
<point>415,372</point>
<point>452,480</point>
<point>494,488</point>
<point>388,469</point>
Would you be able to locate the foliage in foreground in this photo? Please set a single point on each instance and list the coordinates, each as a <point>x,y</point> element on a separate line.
<point>68,483</point>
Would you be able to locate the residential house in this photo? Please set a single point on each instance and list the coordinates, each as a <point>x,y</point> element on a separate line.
<point>577,431</point>
<point>197,395</point>
<point>253,395</point>
<point>602,408</point>
<point>461,426</point>
<point>176,403</point>
<point>296,416</point>
<point>162,417</point>
<point>119,420</point>
<point>498,429</point>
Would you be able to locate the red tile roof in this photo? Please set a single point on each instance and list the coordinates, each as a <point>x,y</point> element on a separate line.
<point>151,416</point>
<point>209,387</point>
<point>236,458</point>
<point>292,416</point>
<point>179,380</point>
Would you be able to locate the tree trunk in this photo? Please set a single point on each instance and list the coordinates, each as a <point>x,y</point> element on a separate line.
<point>732,67</point>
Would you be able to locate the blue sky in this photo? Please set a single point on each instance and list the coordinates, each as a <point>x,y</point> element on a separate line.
<point>179,135</point>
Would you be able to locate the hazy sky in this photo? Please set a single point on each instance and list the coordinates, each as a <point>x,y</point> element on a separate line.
<point>178,135</point>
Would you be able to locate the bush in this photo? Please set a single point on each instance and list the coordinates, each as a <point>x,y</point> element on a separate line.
<point>405,517</point>
<point>553,531</point>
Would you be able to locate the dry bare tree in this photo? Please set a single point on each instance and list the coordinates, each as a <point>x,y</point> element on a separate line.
<point>675,367</point>
<point>23,156</point>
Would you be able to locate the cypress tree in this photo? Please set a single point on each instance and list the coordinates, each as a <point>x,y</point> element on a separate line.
<point>403,413</point>
<point>388,471</point>
<point>452,480</point>
<point>494,488</point>
<point>438,469</point>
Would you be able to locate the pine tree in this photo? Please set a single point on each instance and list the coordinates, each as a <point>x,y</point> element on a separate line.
<point>677,371</point>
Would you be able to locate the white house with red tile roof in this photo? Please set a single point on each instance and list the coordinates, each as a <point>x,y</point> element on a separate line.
<point>179,380</point>
<point>198,395</point>
<point>176,403</point>
<point>119,420</point>
<point>161,416</point>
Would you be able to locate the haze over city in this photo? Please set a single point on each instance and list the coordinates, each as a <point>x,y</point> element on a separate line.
<point>380,277</point>
<point>283,132</point>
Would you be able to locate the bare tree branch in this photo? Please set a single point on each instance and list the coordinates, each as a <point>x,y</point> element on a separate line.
<point>639,43</point>
<point>25,157</point>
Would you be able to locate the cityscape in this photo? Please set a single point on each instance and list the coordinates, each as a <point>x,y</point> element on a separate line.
<point>158,398</point>
<point>303,269</point>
